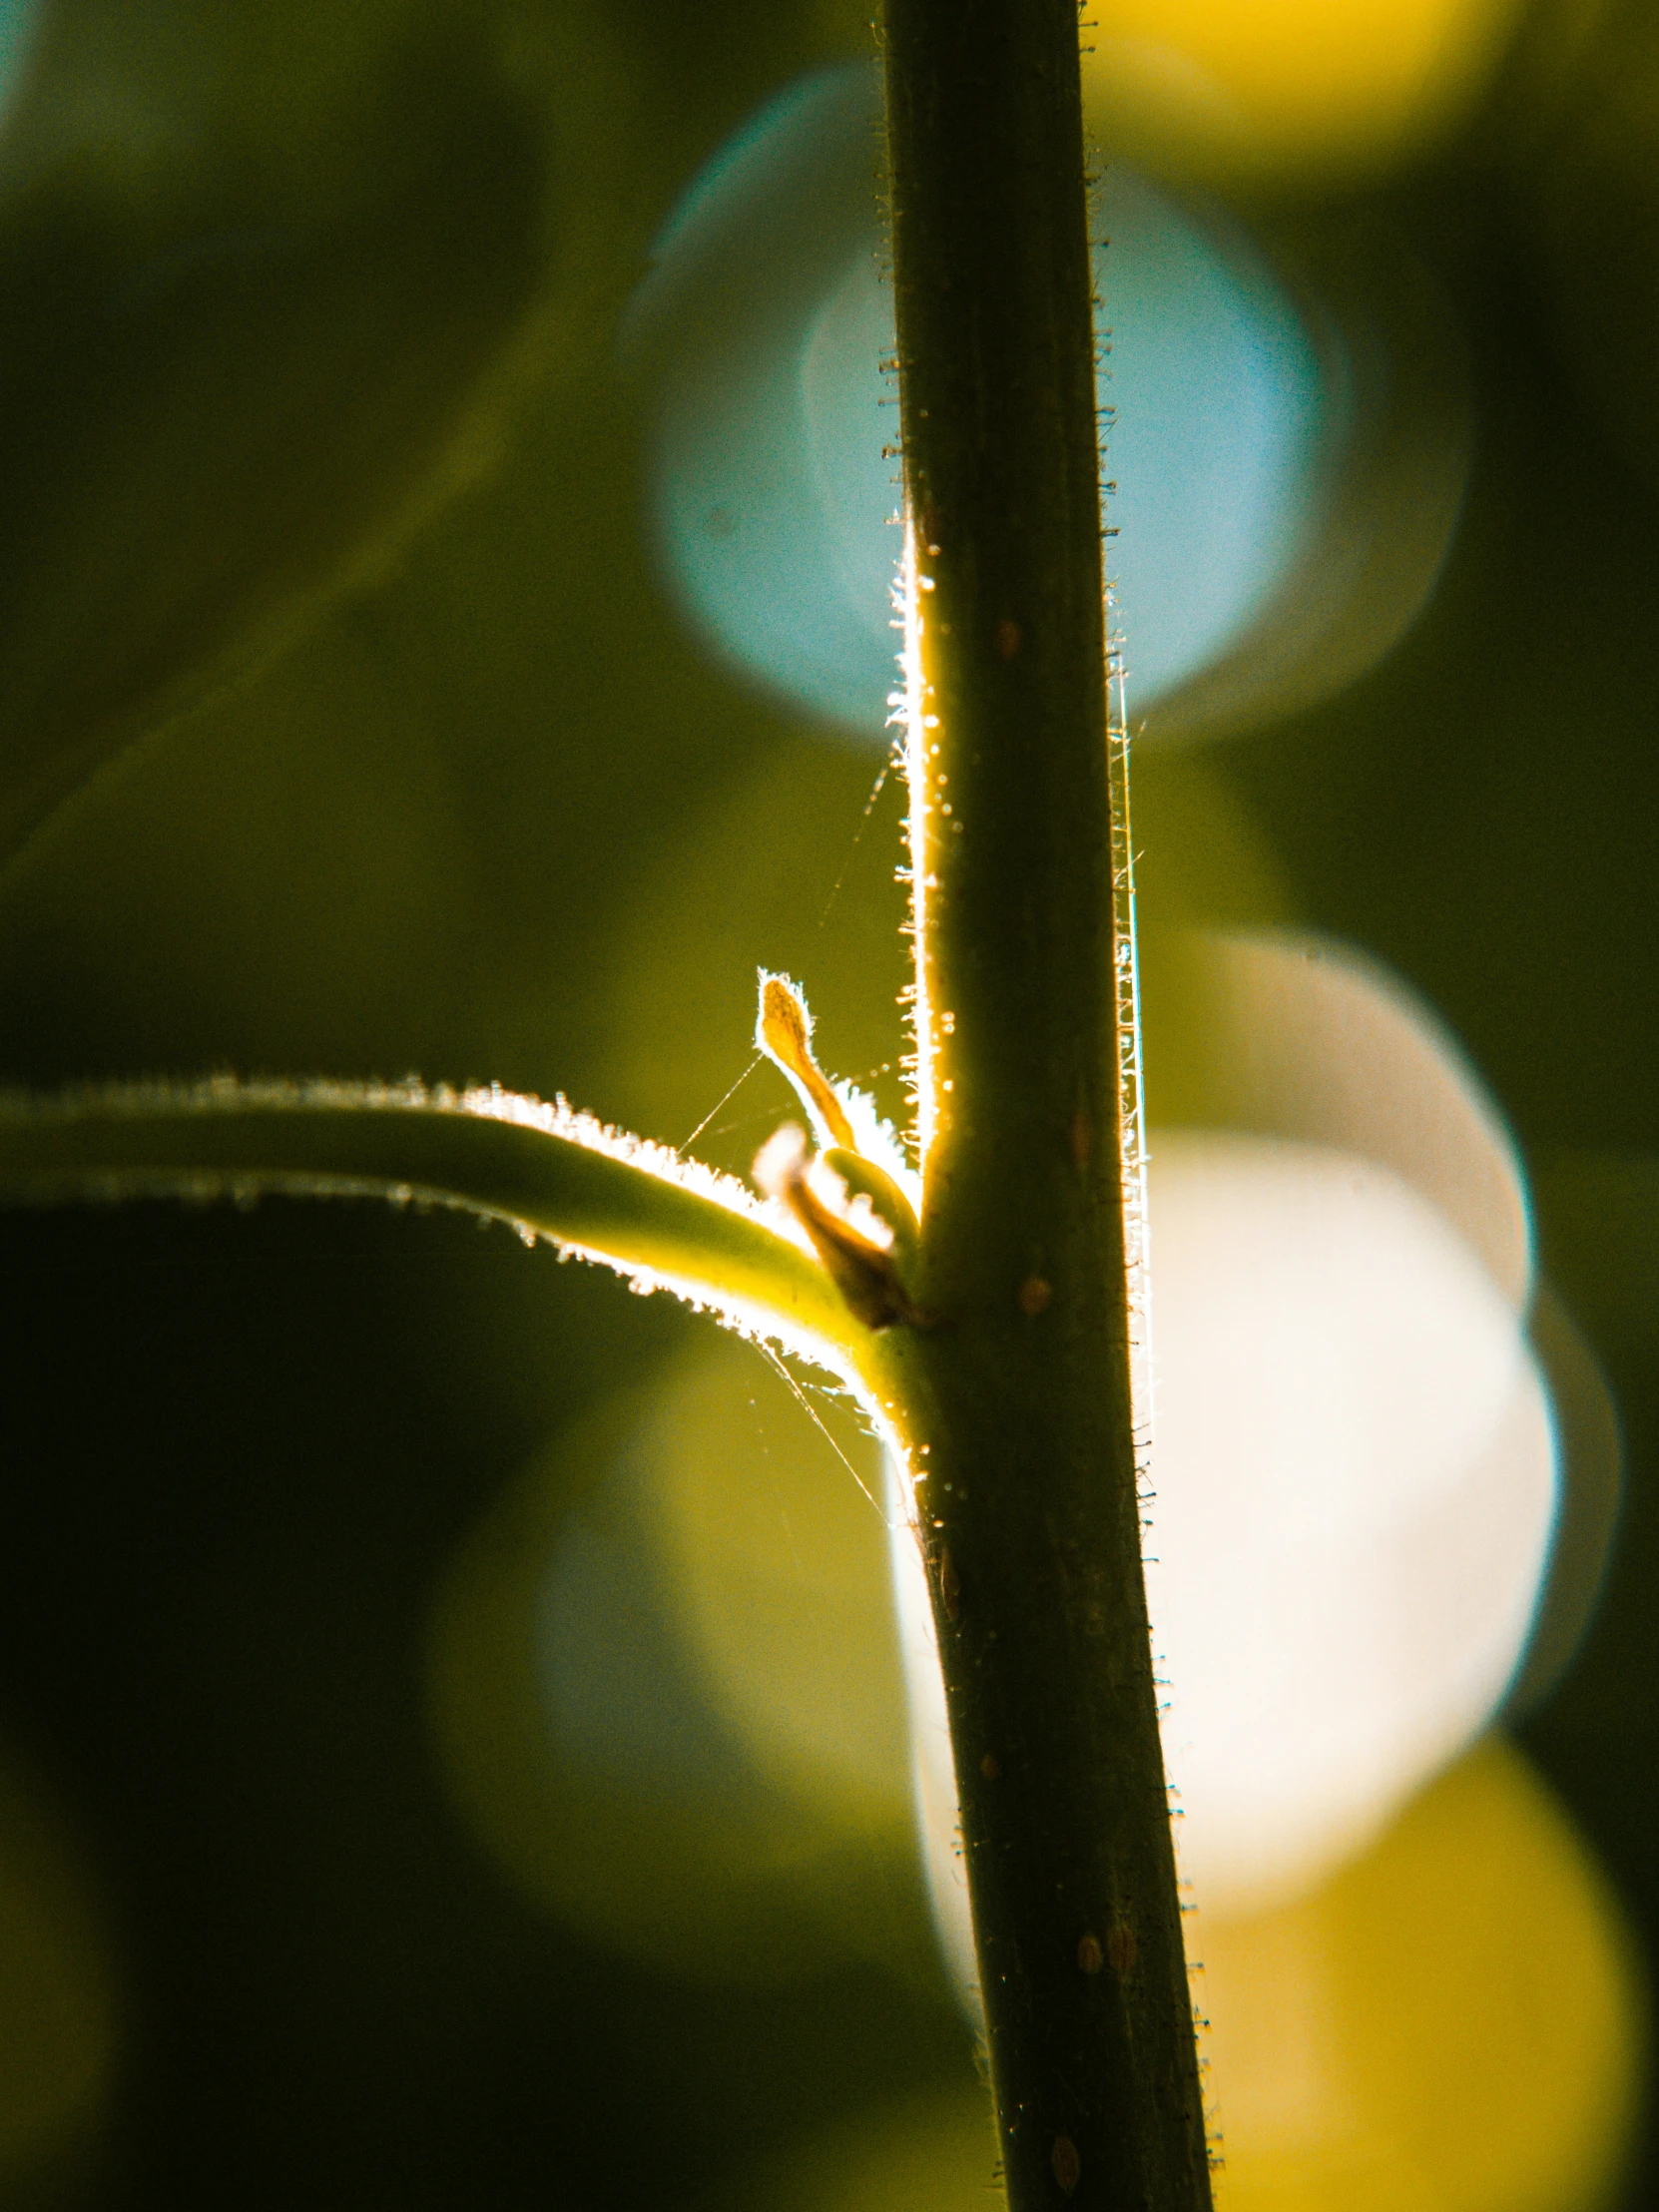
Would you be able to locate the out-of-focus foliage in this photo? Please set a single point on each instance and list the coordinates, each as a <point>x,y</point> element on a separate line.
<point>1600,202</point>
<point>667,1686</point>
<point>251,311</point>
<point>17,22</point>
<point>59,2009</point>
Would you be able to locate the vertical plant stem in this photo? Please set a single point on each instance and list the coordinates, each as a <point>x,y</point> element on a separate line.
<point>1019,1387</point>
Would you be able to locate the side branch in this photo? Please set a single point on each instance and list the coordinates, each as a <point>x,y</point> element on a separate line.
<point>663,1222</point>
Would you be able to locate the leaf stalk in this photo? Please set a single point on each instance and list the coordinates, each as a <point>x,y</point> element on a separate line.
<point>549,1172</point>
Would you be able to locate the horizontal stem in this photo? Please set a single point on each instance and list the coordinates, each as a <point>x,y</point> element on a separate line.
<point>663,1222</point>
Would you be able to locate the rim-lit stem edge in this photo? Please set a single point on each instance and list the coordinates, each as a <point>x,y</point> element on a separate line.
<point>1024,1450</point>
<point>662,1222</point>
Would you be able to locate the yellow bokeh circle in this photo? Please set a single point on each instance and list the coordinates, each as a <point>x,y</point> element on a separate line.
<point>1323,86</point>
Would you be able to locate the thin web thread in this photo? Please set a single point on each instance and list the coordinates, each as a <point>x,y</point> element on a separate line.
<point>816,1420</point>
<point>723,1100</point>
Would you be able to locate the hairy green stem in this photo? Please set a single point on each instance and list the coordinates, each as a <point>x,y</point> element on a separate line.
<point>1019,1387</point>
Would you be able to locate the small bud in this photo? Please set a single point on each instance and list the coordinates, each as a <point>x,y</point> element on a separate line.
<point>784,1032</point>
<point>872,1191</point>
<point>861,1264</point>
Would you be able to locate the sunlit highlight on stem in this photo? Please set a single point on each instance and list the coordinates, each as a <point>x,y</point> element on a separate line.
<point>917,739</point>
<point>1137,1249</point>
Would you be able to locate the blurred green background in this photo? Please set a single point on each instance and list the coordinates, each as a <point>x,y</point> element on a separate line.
<point>345,727</point>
